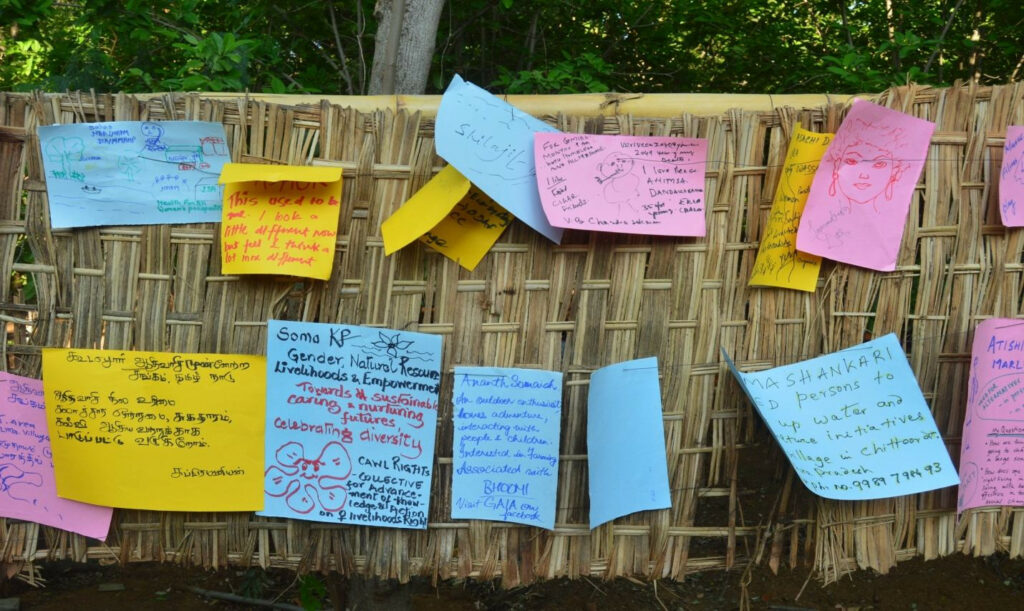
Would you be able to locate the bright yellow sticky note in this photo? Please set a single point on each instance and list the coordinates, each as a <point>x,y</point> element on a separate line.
<point>280,219</point>
<point>157,430</point>
<point>449,215</point>
<point>778,263</point>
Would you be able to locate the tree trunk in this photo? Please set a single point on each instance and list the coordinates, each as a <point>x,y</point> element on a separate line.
<point>891,29</point>
<point>406,31</point>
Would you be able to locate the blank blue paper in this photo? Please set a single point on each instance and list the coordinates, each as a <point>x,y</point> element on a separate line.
<point>626,441</point>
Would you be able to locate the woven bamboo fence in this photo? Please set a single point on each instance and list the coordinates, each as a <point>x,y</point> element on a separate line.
<point>596,299</point>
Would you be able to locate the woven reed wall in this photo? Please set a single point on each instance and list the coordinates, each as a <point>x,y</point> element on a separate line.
<point>594,300</point>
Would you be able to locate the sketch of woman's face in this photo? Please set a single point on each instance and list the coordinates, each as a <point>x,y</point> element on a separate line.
<point>864,171</point>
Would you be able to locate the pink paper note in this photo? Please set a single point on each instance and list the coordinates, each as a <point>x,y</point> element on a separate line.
<point>992,449</point>
<point>625,184</point>
<point>861,193</point>
<point>27,489</point>
<point>1011,178</point>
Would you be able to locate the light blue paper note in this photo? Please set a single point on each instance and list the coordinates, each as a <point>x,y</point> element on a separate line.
<point>853,423</point>
<point>626,441</point>
<point>491,143</point>
<point>505,452</point>
<point>133,172</point>
<point>351,420</point>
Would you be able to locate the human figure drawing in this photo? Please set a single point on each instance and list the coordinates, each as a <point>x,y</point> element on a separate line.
<point>621,186</point>
<point>153,133</point>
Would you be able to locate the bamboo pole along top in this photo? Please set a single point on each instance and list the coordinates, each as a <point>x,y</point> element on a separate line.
<point>579,104</point>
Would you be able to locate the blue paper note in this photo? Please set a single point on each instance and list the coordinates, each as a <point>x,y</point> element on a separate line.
<point>853,423</point>
<point>626,441</point>
<point>351,420</point>
<point>133,172</point>
<point>505,452</point>
<point>491,143</point>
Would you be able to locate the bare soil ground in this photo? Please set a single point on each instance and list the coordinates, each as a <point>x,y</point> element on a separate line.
<point>955,582</point>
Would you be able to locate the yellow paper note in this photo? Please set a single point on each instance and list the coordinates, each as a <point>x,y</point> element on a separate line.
<point>778,263</point>
<point>424,209</point>
<point>157,430</point>
<point>449,215</point>
<point>280,219</point>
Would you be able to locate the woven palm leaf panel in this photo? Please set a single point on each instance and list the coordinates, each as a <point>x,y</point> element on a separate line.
<point>596,299</point>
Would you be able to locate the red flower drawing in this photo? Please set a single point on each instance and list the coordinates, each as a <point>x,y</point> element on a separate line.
<point>309,482</point>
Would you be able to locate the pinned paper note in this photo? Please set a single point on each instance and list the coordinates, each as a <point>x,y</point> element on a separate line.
<point>156,430</point>
<point>853,423</point>
<point>861,193</point>
<point>1011,178</point>
<point>626,441</point>
<point>625,184</point>
<point>491,143</point>
<point>351,419</point>
<point>992,448</point>
<point>133,173</point>
<point>778,263</point>
<point>280,219</point>
<point>505,451</point>
<point>449,215</point>
<point>27,489</point>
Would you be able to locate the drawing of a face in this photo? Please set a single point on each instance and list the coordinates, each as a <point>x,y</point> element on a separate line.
<point>865,171</point>
<point>151,130</point>
<point>616,164</point>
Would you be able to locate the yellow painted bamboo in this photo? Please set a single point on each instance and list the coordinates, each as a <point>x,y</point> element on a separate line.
<point>583,104</point>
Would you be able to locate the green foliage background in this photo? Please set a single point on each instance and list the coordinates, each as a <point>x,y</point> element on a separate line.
<point>514,46</point>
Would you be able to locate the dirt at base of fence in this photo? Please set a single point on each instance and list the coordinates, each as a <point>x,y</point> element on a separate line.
<point>948,583</point>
